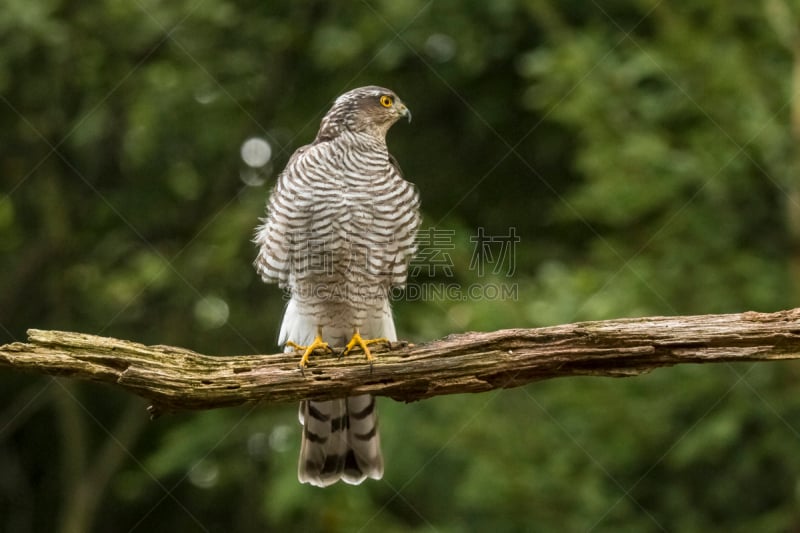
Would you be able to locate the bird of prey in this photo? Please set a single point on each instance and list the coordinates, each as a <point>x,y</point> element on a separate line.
<point>338,236</point>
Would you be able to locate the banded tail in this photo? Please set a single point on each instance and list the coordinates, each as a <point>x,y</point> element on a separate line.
<point>340,437</point>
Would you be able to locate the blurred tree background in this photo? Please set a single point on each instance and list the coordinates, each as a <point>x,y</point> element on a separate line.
<point>643,152</point>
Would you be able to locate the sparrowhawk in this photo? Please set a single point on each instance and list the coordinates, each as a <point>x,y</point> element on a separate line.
<point>338,236</point>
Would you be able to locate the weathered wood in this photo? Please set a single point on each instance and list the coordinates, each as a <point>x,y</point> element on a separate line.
<point>179,379</point>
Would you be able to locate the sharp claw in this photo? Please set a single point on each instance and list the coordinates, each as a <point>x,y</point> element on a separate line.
<point>318,343</point>
<point>308,350</point>
<point>362,343</point>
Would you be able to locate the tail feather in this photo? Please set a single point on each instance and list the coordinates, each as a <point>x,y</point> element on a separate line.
<point>365,442</point>
<point>340,441</point>
<point>340,437</point>
<point>323,447</point>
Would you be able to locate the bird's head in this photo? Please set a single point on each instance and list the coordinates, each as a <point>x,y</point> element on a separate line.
<point>369,109</point>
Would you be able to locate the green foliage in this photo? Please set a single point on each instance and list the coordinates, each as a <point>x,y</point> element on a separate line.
<point>642,152</point>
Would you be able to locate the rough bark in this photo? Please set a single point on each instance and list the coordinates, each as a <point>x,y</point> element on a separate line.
<point>178,379</point>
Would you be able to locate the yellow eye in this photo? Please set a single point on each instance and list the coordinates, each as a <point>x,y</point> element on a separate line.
<point>386,100</point>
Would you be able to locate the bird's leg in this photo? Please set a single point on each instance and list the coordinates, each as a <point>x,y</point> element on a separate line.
<point>363,343</point>
<point>317,343</point>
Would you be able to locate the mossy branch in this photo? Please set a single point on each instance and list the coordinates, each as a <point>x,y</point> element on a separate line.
<point>179,379</point>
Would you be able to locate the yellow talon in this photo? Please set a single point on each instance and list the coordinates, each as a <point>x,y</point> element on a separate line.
<point>362,343</point>
<point>316,344</point>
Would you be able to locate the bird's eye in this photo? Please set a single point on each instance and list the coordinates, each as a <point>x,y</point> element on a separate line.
<point>386,100</point>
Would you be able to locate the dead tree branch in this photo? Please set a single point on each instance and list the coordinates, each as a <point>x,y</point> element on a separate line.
<point>179,379</point>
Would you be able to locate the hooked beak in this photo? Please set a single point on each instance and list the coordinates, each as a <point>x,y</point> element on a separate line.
<point>404,111</point>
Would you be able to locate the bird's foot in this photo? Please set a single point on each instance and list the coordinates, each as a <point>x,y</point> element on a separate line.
<point>363,343</point>
<point>316,344</point>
